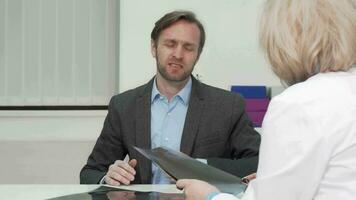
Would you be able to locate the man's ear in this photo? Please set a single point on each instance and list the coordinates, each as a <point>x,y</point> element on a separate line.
<point>197,58</point>
<point>153,48</point>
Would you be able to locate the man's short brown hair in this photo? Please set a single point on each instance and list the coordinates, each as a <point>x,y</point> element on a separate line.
<point>172,17</point>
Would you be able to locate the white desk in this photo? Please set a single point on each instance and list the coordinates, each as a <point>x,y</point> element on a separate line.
<point>38,192</point>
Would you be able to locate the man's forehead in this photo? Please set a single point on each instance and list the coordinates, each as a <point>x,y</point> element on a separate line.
<point>181,31</point>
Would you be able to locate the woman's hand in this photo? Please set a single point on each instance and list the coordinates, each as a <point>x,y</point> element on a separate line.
<point>195,189</point>
<point>249,178</point>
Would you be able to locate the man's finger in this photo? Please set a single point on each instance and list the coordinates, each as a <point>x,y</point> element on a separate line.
<point>118,177</point>
<point>126,174</point>
<point>133,163</point>
<point>110,181</point>
<point>127,167</point>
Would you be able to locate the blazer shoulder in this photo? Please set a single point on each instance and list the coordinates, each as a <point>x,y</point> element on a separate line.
<point>130,96</point>
<point>214,92</point>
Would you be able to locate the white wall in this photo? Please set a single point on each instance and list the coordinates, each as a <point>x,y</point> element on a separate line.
<point>51,125</point>
<point>43,162</point>
<point>231,55</point>
<point>46,146</point>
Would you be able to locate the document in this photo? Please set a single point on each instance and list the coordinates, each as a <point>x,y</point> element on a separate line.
<point>180,166</point>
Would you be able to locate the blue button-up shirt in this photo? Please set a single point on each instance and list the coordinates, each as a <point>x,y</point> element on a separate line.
<point>167,123</point>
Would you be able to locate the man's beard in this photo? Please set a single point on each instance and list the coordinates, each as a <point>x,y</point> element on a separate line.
<point>163,72</point>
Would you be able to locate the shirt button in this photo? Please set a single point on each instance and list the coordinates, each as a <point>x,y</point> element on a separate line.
<point>166,139</point>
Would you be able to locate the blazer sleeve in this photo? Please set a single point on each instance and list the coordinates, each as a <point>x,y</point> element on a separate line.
<point>244,143</point>
<point>109,147</point>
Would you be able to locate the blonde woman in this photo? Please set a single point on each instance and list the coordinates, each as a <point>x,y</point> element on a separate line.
<point>308,148</point>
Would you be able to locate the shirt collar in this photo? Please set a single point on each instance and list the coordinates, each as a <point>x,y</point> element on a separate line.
<point>183,94</point>
<point>155,93</point>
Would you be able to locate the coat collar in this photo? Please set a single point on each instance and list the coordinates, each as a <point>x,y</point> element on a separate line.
<point>193,117</point>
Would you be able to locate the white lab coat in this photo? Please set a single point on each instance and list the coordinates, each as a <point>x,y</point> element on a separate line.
<point>308,148</point>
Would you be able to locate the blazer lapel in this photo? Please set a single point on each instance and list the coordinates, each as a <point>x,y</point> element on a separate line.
<point>194,113</point>
<point>143,131</point>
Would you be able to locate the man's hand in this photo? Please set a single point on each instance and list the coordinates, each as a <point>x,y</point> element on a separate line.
<point>121,172</point>
<point>195,189</point>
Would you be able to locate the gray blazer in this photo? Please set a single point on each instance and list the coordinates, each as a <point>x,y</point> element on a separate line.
<point>216,127</point>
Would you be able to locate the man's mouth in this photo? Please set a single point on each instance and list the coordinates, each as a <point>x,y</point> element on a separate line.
<point>175,65</point>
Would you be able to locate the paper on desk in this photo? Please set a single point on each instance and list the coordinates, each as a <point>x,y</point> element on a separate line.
<point>169,188</point>
<point>181,166</point>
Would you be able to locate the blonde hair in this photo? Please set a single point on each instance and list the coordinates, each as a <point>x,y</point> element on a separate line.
<point>304,37</point>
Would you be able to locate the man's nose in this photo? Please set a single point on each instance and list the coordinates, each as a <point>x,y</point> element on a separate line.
<point>178,52</point>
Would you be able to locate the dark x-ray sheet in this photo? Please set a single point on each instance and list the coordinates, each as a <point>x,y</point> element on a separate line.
<point>181,166</point>
<point>108,193</point>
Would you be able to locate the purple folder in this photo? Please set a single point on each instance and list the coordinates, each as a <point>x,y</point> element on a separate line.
<point>256,117</point>
<point>253,105</point>
<point>250,91</point>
